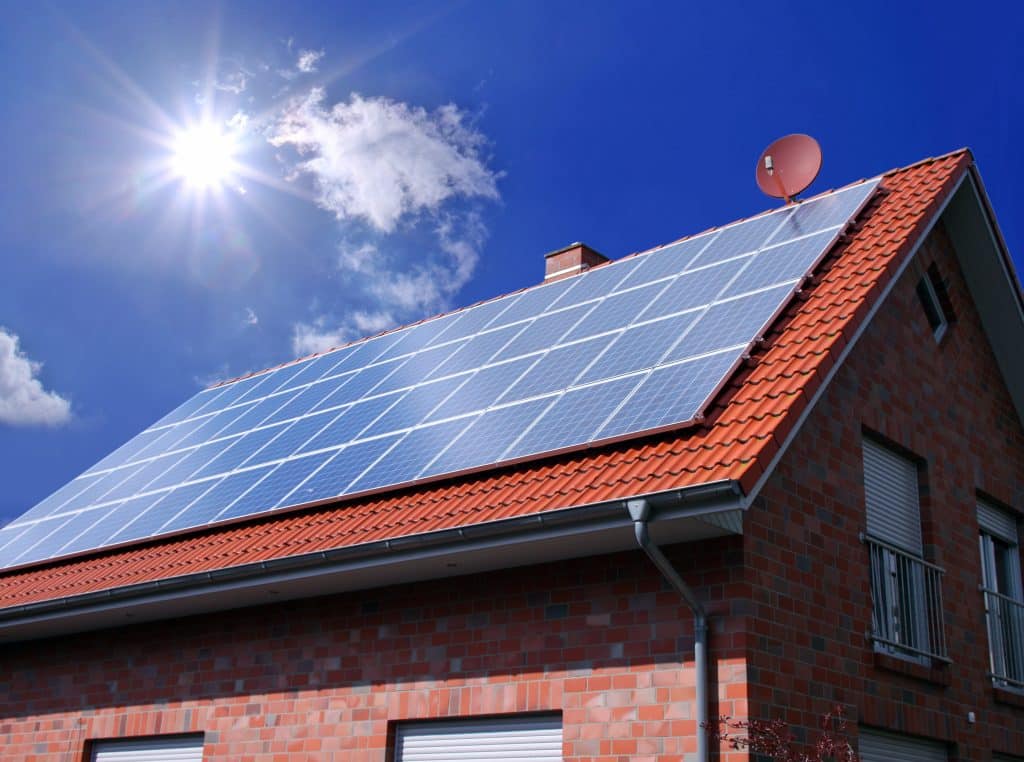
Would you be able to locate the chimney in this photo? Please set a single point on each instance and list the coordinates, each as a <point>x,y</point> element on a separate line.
<point>573,259</point>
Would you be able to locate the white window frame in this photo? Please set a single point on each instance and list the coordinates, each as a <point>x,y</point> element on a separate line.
<point>906,595</point>
<point>170,748</point>
<point>1003,594</point>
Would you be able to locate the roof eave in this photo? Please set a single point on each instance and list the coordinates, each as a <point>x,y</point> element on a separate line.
<point>697,513</point>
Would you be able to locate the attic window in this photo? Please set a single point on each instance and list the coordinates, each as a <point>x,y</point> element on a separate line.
<point>932,293</point>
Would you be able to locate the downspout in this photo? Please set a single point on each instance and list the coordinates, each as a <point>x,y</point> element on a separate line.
<point>640,512</point>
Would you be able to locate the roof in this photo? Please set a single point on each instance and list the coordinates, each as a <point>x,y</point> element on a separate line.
<point>741,435</point>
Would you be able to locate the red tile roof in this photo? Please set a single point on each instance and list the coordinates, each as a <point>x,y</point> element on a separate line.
<point>741,434</point>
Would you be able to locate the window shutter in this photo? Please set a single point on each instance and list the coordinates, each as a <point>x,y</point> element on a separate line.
<point>538,739</point>
<point>175,749</point>
<point>876,746</point>
<point>997,522</point>
<point>890,489</point>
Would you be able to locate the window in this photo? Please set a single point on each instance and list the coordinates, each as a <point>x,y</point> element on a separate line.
<point>932,294</point>
<point>537,738</point>
<point>1001,586</point>
<point>160,749</point>
<point>877,746</point>
<point>906,590</point>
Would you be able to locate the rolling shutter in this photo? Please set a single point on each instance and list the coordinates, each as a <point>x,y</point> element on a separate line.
<point>538,739</point>
<point>890,490</point>
<point>876,746</point>
<point>997,522</point>
<point>176,749</point>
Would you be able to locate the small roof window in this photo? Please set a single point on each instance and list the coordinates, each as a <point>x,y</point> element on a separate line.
<point>932,294</point>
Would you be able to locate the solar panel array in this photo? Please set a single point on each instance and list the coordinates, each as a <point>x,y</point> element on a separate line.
<point>634,346</point>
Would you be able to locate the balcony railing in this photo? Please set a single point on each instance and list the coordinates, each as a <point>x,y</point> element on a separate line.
<point>907,595</point>
<point>1005,619</point>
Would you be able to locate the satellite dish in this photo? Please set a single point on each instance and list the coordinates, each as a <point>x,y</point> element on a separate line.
<point>788,166</point>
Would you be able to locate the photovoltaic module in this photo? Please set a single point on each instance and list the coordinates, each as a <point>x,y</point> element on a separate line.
<point>632,347</point>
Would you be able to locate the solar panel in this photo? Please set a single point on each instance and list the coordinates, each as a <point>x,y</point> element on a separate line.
<point>638,345</point>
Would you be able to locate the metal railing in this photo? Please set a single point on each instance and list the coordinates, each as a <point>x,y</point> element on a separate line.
<point>906,592</point>
<point>1004,617</point>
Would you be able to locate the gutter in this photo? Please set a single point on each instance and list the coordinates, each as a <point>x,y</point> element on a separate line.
<point>640,512</point>
<point>701,500</point>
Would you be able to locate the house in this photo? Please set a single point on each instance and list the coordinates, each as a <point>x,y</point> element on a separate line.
<point>838,525</point>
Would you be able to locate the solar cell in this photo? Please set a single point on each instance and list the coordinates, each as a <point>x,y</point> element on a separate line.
<point>545,331</point>
<point>268,492</point>
<point>743,238</point>
<point>697,288</point>
<point>420,336</point>
<point>112,518</point>
<point>306,400</point>
<point>333,479</point>
<point>574,418</point>
<point>256,414</point>
<point>33,535</point>
<point>147,522</point>
<point>238,450</point>
<point>639,347</point>
<point>407,458</point>
<point>535,301</point>
<point>417,367</point>
<point>617,311</point>
<point>475,319</point>
<point>141,478</point>
<point>185,468</point>
<point>483,388</point>
<point>784,263</point>
<point>478,350</point>
<point>631,346</point>
<point>557,368</point>
<point>204,508</point>
<point>97,491</point>
<point>317,368</point>
<point>350,422</point>
<point>414,406</point>
<point>670,394</point>
<point>487,438</point>
<point>726,324</point>
<point>292,437</point>
<point>667,261</point>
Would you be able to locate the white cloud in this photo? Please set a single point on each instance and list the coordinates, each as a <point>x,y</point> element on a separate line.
<point>23,400</point>
<point>390,170</point>
<point>308,60</point>
<point>379,160</point>
<point>251,318</point>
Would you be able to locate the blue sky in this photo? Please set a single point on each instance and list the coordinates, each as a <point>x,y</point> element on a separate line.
<point>389,161</point>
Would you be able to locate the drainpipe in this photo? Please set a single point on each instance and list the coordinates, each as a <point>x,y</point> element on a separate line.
<point>640,512</point>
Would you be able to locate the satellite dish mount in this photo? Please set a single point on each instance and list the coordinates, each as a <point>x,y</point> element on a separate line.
<point>788,166</point>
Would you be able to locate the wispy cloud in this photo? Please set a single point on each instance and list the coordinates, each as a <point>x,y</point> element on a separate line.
<point>308,59</point>
<point>23,400</point>
<point>386,170</point>
<point>251,318</point>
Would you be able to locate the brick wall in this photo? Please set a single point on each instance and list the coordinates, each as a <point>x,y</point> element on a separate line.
<point>598,640</point>
<point>947,404</point>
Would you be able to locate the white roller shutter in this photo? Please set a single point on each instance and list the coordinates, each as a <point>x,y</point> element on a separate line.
<point>876,746</point>
<point>997,522</point>
<point>176,749</point>
<point>890,490</point>
<point>538,739</point>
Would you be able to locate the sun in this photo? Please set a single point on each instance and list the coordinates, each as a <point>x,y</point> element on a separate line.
<point>202,156</point>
